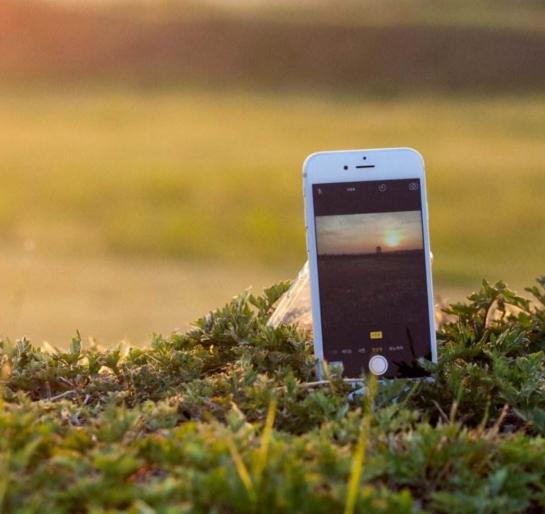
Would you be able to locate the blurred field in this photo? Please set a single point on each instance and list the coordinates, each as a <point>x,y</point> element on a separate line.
<point>217,174</point>
<point>159,150</point>
<point>49,297</point>
<point>382,47</point>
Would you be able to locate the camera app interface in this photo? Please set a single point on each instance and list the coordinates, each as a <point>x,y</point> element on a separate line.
<point>372,277</point>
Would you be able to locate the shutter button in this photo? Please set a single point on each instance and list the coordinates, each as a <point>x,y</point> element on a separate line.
<point>378,365</point>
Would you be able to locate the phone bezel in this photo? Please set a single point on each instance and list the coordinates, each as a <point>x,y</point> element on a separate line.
<point>329,167</point>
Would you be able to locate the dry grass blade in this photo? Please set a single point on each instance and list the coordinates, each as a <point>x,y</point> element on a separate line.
<point>361,447</point>
<point>242,470</point>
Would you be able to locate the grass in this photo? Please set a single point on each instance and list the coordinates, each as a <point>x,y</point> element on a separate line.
<point>229,418</point>
<point>216,175</point>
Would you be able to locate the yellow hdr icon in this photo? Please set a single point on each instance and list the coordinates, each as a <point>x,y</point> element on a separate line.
<point>375,334</point>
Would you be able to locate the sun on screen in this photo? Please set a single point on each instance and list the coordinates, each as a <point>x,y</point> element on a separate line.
<point>392,238</point>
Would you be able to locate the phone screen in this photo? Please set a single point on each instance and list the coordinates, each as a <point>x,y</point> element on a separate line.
<point>372,276</point>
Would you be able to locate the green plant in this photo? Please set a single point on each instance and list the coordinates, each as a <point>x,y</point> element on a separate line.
<point>229,418</point>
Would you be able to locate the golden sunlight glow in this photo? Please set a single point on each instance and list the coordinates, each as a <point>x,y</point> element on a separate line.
<point>392,238</point>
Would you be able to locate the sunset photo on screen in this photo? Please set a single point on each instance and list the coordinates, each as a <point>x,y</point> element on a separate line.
<point>353,234</point>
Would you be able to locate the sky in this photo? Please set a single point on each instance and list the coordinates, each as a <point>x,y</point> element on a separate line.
<point>362,233</point>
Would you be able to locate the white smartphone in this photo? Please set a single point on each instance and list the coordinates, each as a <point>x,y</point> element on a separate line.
<point>366,218</point>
